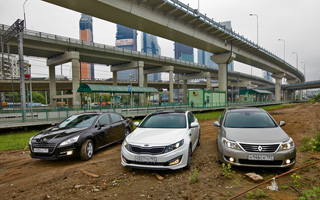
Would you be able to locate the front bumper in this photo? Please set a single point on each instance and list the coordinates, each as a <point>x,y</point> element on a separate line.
<point>241,158</point>
<point>55,152</point>
<point>162,160</point>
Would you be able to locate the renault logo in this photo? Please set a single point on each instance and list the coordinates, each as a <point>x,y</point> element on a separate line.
<point>260,148</point>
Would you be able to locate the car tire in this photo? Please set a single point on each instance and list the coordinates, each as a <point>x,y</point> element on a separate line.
<point>86,151</point>
<point>188,166</point>
<point>198,143</point>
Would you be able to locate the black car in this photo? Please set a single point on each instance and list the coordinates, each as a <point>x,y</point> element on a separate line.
<point>80,135</point>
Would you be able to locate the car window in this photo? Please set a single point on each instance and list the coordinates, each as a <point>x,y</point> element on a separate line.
<point>115,117</point>
<point>191,118</point>
<point>221,117</point>
<point>165,120</point>
<point>104,119</point>
<point>78,121</point>
<point>249,120</point>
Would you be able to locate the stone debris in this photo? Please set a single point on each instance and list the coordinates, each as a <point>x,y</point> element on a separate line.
<point>160,178</point>
<point>78,186</point>
<point>89,174</point>
<point>255,177</point>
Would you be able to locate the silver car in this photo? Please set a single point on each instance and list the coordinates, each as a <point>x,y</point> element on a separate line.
<point>251,137</point>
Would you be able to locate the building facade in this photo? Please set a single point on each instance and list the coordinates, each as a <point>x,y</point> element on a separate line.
<point>86,69</point>
<point>126,38</point>
<point>183,52</point>
<point>150,46</point>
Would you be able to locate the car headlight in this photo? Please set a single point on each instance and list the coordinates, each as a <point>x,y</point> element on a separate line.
<point>173,146</point>
<point>287,145</point>
<point>126,145</point>
<point>230,144</point>
<point>30,140</point>
<point>69,141</point>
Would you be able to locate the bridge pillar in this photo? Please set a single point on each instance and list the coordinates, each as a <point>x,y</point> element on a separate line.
<point>278,77</point>
<point>185,92</point>
<point>141,82</point>
<point>171,85</point>
<point>52,85</point>
<point>145,84</point>
<point>208,83</point>
<point>115,78</point>
<point>75,82</point>
<point>223,60</point>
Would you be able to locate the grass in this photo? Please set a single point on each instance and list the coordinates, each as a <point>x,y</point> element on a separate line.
<point>19,140</point>
<point>273,107</point>
<point>16,140</point>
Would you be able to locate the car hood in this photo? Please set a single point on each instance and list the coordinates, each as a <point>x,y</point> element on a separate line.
<point>257,135</point>
<point>156,136</point>
<point>56,133</point>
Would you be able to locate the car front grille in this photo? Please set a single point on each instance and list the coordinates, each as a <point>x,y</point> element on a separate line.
<point>49,146</point>
<point>260,162</point>
<point>147,150</point>
<point>269,148</point>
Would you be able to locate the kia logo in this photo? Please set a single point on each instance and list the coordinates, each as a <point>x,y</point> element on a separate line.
<point>146,145</point>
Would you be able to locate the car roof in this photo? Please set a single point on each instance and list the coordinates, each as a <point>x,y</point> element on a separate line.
<point>245,109</point>
<point>168,111</point>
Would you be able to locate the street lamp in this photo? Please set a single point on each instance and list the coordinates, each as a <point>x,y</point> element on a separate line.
<point>257,31</point>
<point>131,90</point>
<point>284,48</point>
<point>257,26</point>
<point>296,58</point>
<point>24,15</point>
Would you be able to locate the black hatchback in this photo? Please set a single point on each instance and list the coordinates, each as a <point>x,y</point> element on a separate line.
<point>80,135</point>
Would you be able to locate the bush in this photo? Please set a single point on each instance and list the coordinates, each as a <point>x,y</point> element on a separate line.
<point>311,144</point>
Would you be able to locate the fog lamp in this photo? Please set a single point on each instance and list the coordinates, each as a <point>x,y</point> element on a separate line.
<point>69,153</point>
<point>231,159</point>
<point>288,161</point>
<point>175,162</point>
<point>124,160</point>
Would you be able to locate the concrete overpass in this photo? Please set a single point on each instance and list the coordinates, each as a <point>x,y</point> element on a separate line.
<point>59,50</point>
<point>176,21</point>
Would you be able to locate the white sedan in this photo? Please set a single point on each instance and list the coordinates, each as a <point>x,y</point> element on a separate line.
<point>163,140</point>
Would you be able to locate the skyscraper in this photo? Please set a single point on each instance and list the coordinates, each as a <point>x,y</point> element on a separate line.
<point>150,45</point>
<point>87,69</point>
<point>126,38</point>
<point>183,52</point>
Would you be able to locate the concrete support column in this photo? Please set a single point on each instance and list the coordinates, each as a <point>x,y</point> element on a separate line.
<point>141,81</point>
<point>171,86</point>
<point>300,94</point>
<point>52,85</point>
<point>278,77</point>
<point>208,83</point>
<point>145,84</point>
<point>185,92</point>
<point>75,82</point>
<point>115,78</point>
<point>223,60</point>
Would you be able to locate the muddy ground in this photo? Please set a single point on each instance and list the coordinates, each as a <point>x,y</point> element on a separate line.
<point>24,178</point>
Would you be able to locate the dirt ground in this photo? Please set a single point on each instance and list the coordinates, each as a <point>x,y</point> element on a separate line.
<point>24,178</point>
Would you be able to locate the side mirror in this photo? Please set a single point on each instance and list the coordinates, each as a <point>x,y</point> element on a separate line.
<point>136,124</point>
<point>282,123</point>
<point>217,124</point>
<point>194,124</point>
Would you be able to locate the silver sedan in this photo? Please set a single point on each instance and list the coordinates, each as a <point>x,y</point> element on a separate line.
<point>251,137</point>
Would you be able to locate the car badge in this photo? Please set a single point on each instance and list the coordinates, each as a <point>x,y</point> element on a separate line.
<point>260,148</point>
<point>146,145</point>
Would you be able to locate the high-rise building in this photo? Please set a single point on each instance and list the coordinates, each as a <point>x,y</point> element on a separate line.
<point>126,38</point>
<point>12,67</point>
<point>267,75</point>
<point>204,57</point>
<point>183,52</point>
<point>150,45</point>
<point>87,69</point>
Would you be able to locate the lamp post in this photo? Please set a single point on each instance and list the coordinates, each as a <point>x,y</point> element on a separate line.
<point>257,31</point>
<point>130,90</point>
<point>296,59</point>
<point>29,65</point>
<point>257,26</point>
<point>284,48</point>
<point>24,15</point>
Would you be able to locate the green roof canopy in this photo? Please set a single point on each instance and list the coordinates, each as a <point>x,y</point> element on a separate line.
<point>114,89</point>
<point>254,91</point>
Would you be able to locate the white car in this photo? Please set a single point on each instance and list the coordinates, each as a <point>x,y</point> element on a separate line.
<point>163,140</point>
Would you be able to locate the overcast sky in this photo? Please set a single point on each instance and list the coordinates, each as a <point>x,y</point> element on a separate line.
<point>295,21</point>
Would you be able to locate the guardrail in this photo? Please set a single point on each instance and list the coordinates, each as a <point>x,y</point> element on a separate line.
<point>62,113</point>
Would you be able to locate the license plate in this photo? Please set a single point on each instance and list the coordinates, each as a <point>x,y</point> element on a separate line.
<point>145,159</point>
<point>261,157</point>
<point>41,150</point>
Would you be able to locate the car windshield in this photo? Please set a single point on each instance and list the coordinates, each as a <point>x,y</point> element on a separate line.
<point>78,121</point>
<point>165,120</point>
<point>251,119</point>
